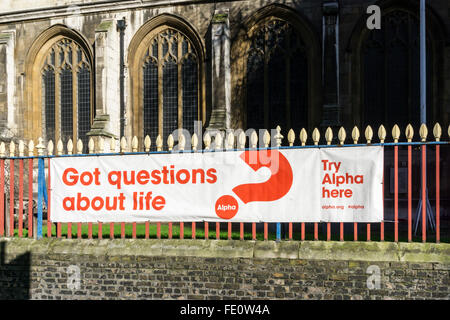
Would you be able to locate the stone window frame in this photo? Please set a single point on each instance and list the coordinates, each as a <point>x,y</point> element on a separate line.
<point>139,44</point>
<point>69,49</point>
<point>266,53</point>
<point>36,61</point>
<point>239,57</point>
<point>436,36</point>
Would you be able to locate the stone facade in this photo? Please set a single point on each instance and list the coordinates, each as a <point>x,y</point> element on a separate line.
<point>199,269</point>
<point>22,22</point>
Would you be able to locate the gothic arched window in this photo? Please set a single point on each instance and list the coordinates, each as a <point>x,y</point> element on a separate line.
<point>390,61</point>
<point>277,78</point>
<point>66,92</point>
<point>170,75</point>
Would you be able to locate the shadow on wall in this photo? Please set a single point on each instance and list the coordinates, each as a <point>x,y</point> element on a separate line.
<point>14,276</point>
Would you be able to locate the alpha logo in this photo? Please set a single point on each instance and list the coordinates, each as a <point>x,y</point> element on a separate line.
<point>226,207</point>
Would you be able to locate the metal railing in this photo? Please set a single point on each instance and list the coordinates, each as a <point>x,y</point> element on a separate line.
<point>24,211</point>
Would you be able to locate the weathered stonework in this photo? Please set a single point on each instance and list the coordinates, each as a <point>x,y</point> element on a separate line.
<point>199,269</point>
<point>8,127</point>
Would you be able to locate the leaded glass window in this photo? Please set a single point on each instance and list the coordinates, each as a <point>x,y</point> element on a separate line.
<point>170,85</point>
<point>66,88</point>
<point>391,72</point>
<point>277,78</point>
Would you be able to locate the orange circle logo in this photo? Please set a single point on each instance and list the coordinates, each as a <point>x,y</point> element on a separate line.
<point>226,207</point>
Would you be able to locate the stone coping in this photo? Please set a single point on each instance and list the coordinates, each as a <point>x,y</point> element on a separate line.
<point>307,250</point>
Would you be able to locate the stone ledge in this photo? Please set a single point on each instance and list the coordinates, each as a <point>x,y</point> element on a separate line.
<point>273,250</point>
<point>306,250</point>
<point>358,250</point>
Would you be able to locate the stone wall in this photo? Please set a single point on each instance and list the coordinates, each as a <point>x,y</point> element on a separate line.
<point>199,269</point>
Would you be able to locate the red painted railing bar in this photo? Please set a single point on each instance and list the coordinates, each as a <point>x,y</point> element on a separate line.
<point>229,230</point>
<point>158,230</point>
<point>147,229</point>
<point>328,231</point>
<point>30,198</point>
<point>111,230</point>
<point>424,200</point>
<point>193,230</point>
<point>2,198</point>
<point>409,193</point>
<point>241,231</point>
<point>122,230</point>
<point>368,232</point>
<point>438,219</point>
<point>100,231</point>
<point>355,231</point>
<point>69,230</point>
<point>20,198</point>
<point>253,231</point>
<point>58,230</point>
<point>133,234</point>
<point>316,231</point>
<point>396,193</point>
<point>181,230</point>
<point>11,197</point>
<point>290,230</point>
<point>218,230</point>
<point>206,231</point>
<point>79,230</point>
<point>266,231</point>
<point>302,231</point>
<point>341,231</point>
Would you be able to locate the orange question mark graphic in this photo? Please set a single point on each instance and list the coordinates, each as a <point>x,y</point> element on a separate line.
<point>276,187</point>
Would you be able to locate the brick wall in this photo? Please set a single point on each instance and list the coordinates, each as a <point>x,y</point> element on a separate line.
<point>198,269</point>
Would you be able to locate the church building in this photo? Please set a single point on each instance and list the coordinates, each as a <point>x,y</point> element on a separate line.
<point>74,69</point>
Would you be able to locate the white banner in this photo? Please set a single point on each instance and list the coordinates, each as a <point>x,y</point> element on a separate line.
<point>287,185</point>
